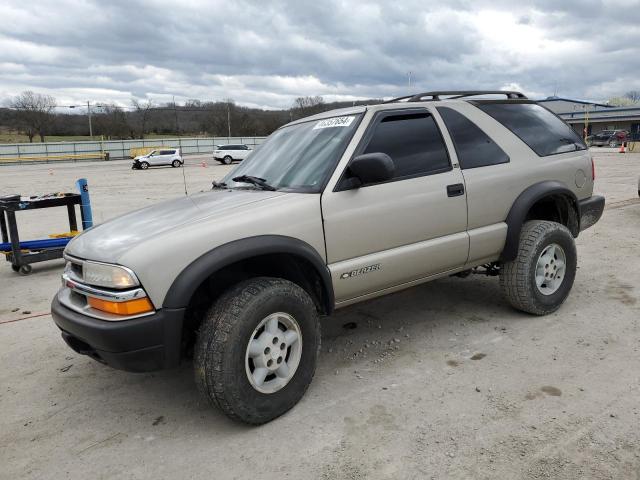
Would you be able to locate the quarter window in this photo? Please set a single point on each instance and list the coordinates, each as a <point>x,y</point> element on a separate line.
<point>536,126</point>
<point>474,147</point>
<point>413,142</point>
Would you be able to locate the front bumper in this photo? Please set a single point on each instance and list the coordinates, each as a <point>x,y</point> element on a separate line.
<point>590,211</point>
<point>141,344</point>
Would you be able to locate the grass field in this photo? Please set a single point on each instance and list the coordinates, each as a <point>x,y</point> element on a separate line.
<point>14,137</point>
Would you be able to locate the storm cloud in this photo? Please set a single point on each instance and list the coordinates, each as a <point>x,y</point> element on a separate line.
<point>266,53</point>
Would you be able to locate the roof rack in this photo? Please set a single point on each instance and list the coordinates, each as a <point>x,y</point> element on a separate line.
<point>453,94</point>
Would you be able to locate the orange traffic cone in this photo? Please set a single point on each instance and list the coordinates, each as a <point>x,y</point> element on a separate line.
<point>203,164</point>
<point>621,148</point>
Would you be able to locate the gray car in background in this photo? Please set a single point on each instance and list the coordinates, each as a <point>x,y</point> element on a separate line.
<point>607,138</point>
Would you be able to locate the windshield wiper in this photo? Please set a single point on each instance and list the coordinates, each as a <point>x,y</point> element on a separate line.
<point>260,182</point>
<point>215,184</point>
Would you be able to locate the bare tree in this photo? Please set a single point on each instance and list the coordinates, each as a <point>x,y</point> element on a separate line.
<point>112,122</point>
<point>620,101</point>
<point>142,114</point>
<point>304,106</point>
<point>308,102</point>
<point>633,95</point>
<point>34,113</point>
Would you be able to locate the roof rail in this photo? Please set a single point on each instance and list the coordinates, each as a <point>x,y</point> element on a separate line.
<point>453,94</point>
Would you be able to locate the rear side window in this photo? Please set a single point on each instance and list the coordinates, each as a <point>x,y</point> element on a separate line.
<point>414,143</point>
<point>167,152</point>
<point>536,126</point>
<point>474,147</point>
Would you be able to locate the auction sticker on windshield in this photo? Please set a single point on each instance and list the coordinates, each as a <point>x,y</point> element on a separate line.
<point>335,122</point>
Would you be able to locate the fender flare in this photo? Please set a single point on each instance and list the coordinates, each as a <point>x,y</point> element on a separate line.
<point>520,208</point>
<point>186,283</point>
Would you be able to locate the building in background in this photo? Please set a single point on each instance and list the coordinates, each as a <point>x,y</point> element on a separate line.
<point>597,116</point>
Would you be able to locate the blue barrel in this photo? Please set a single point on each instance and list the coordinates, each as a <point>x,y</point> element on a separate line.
<point>85,203</point>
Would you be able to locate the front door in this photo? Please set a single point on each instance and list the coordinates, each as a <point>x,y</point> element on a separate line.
<point>155,158</point>
<point>387,234</point>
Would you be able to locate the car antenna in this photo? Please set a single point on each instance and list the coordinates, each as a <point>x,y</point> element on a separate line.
<point>184,180</point>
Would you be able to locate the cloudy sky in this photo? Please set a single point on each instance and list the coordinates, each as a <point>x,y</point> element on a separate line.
<point>266,53</point>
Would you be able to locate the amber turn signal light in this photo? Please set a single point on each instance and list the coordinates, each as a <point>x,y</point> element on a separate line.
<point>130,307</point>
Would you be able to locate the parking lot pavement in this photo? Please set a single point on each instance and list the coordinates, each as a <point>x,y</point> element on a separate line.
<point>443,380</point>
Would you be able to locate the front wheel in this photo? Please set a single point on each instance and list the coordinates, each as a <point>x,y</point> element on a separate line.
<point>227,160</point>
<point>541,276</point>
<point>256,349</point>
<point>144,165</point>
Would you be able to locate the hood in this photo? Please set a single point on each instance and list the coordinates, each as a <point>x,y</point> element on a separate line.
<point>141,156</point>
<point>108,241</point>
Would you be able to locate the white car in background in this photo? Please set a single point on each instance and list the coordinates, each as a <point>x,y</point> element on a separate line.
<point>229,153</point>
<point>167,156</point>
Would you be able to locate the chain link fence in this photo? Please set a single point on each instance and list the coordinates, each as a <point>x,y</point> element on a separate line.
<point>109,149</point>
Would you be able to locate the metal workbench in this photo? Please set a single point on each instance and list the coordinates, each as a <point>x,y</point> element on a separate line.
<point>9,205</point>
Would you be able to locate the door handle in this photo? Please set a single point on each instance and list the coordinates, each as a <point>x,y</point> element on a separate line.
<point>455,190</point>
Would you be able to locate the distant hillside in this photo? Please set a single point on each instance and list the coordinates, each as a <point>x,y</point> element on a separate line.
<point>194,118</point>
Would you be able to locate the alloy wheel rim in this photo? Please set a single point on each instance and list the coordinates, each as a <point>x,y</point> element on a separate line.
<point>273,352</point>
<point>550,269</point>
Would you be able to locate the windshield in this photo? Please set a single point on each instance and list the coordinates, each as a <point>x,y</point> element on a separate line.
<point>298,157</point>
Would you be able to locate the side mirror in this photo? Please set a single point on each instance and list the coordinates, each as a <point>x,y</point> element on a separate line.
<point>370,168</point>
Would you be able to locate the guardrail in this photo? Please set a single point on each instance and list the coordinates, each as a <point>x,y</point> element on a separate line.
<point>110,149</point>
<point>54,158</point>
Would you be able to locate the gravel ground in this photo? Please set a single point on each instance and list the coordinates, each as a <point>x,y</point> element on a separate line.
<point>443,380</point>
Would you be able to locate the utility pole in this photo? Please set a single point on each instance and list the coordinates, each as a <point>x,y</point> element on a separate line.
<point>228,118</point>
<point>586,122</point>
<point>175,111</point>
<point>90,127</point>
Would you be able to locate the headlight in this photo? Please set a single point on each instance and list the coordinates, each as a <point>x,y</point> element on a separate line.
<point>110,276</point>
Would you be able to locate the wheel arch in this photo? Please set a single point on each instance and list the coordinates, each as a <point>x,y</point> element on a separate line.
<point>288,253</point>
<point>547,200</point>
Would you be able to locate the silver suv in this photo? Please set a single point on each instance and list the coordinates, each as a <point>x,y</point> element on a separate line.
<point>169,156</point>
<point>332,210</point>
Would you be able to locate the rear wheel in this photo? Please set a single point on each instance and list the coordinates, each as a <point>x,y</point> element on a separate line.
<point>541,276</point>
<point>176,163</point>
<point>144,165</point>
<point>257,348</point>
<point>227,160</point>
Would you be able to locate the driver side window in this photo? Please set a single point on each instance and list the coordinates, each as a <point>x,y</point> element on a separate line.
<point>414,143</point>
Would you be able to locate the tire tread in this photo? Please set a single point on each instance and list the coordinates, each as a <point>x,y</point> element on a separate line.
<point>515,275</point>
<point>210,374</point>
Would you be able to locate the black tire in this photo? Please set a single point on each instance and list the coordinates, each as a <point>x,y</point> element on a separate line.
<point>517,278</point>
<point>176,163</point>
<point>221,346</point>
<point>144,165</point>
<point>15,268</point>
<point>25,269</point>
<point>227,160</point>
